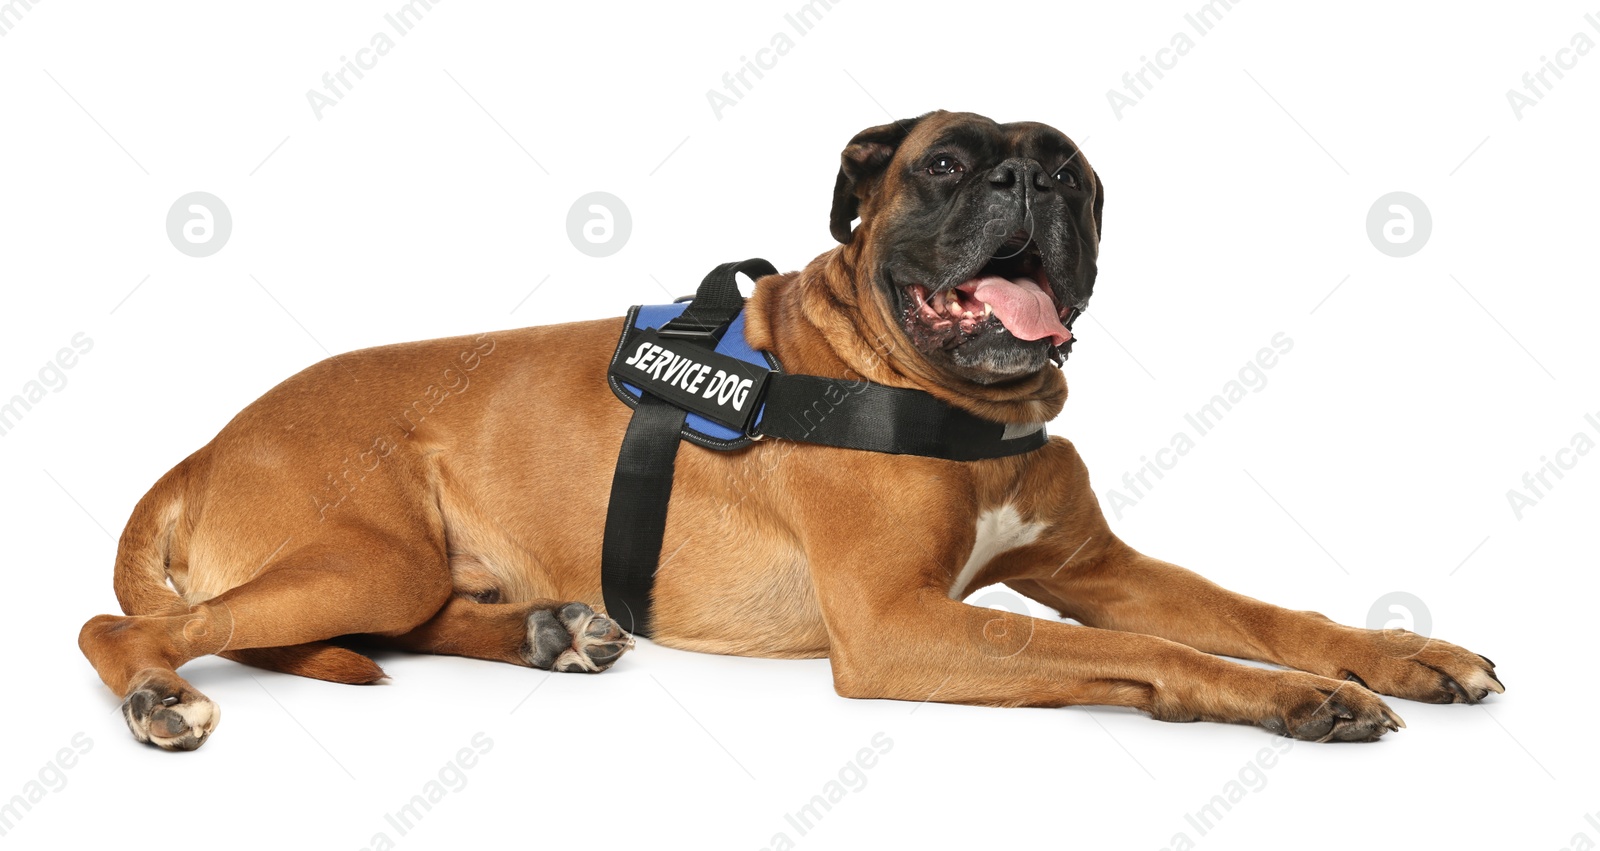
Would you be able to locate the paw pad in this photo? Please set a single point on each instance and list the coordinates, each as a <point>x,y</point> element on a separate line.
<point>574,638</point>
<point>174,719</point>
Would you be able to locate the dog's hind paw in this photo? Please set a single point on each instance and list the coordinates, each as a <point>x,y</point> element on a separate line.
<point>574,638</point>
<point>167,712</point>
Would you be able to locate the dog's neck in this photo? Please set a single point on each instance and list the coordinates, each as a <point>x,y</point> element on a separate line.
<point>818,327</point>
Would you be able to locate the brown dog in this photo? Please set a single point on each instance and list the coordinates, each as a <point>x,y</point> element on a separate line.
<point>448,497</point>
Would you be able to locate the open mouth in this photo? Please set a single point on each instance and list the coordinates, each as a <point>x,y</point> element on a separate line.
<point>1009,291</point>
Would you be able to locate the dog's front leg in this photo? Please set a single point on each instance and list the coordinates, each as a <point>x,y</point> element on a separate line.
<point>950,652</point>
<point>895,633</point>
<point>1077,566</point>
<point>1123,589</point>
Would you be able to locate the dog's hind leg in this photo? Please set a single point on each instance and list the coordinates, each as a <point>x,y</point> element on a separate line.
<point>542,634</point>
<point>351,581</point>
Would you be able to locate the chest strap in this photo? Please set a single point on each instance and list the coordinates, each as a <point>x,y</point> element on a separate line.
<point>676,371</point>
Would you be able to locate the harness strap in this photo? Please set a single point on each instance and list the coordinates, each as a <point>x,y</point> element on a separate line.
<point>636,519</point>
<point>877,418</point>
<point>641,487</point>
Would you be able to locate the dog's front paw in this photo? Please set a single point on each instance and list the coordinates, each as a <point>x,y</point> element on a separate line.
<point>574,638</point>
<point>1318,709</point>
<point>167,712</point>
<point>1404,664</point>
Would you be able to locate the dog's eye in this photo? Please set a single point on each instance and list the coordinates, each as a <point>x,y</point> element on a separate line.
<point>1067,177</point>
<point>945,165</point>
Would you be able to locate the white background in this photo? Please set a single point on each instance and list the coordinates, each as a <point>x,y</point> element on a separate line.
<point>432,200</point>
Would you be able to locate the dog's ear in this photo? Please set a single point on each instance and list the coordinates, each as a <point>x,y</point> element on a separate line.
<point>1099,204</point>
<point>860,165</point>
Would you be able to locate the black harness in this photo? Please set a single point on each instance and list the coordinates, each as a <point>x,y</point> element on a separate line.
<point>685,382</point>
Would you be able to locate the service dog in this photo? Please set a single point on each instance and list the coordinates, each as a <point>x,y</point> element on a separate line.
<point>447,497</point>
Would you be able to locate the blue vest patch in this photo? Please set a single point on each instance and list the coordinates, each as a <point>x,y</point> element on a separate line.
<point>697,429</point>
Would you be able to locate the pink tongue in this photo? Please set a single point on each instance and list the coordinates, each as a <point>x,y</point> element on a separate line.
<point>1024,308</point>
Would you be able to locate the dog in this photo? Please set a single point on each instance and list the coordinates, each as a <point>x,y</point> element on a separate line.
<point>447,497</point>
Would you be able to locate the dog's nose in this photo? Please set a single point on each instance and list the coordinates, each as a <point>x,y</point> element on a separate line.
<point>1020,170</point>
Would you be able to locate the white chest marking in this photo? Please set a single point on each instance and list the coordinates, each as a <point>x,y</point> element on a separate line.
<point>999,529</point>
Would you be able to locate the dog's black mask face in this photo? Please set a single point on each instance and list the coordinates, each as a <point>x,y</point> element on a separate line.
<point>980,236</point>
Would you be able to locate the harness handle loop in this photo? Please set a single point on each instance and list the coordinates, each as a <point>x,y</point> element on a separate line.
<point>716,302</point>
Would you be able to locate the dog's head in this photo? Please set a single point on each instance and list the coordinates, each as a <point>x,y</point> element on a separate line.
<point>977,239</point>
